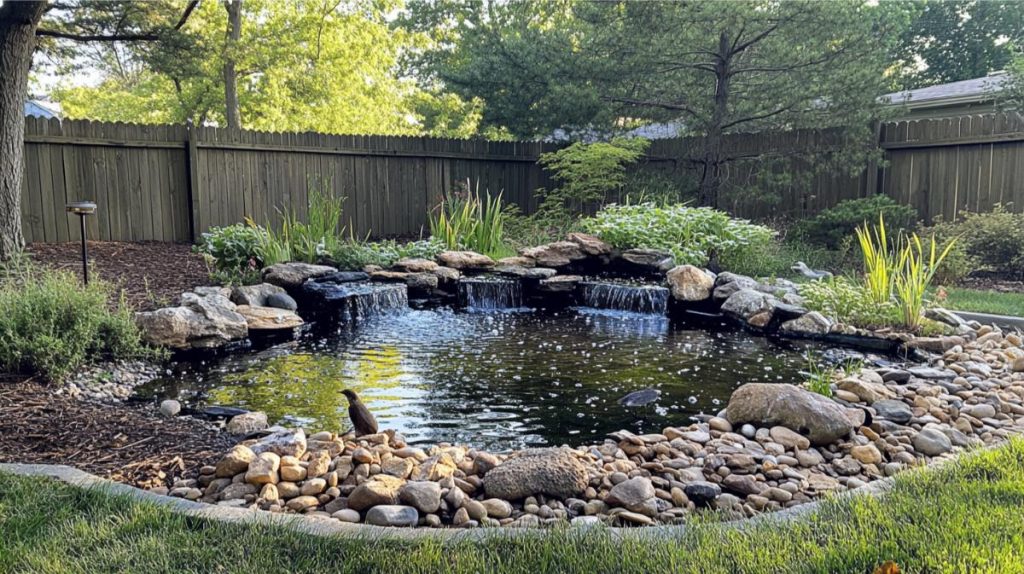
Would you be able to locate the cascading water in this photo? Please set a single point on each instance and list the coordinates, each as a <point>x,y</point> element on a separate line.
<point>618,297</point>
<point>370,300</point>
<point>490,294</point>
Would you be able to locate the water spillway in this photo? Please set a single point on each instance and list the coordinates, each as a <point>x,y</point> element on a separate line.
<point>620,297</point>
<point>490,294</point>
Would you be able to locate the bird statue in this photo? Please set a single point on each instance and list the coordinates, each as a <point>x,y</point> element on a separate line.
<point>812,274</point>
<point>362,418</point>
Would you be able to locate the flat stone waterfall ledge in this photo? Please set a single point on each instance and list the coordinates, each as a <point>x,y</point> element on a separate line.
<point>490,293</point>
<point>354,301</point>
<point>623,297</point>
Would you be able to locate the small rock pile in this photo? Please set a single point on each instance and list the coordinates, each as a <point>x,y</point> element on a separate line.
<point>110,381</point>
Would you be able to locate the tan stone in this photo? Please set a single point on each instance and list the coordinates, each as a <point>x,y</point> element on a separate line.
<point>269,318</point>
<point>235,461</point>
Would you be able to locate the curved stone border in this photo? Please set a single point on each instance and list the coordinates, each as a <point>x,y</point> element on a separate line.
<point>332,528</point>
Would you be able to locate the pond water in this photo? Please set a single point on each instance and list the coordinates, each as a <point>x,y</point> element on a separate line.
<point>498,380</point>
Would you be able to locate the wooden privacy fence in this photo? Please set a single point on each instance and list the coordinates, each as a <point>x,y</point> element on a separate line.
<point>171,183</point>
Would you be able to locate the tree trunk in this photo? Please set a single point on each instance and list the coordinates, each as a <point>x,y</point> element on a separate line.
<point>234,34</point>
<point>18,22</point>
<point>711,180</point>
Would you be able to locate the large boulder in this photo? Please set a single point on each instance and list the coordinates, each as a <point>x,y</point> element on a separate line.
<point>590,244</point>
<point>728,283</point>
<point>557,254</point>
<point>549,471</point>
<point>282,442</point>
<point>199,322</point>
<point>750,307</point>
<point>648,260</point>
<point>465,260</point>
<point>293,274</point>
<point>690,284</point>
<point>269,318</point>
<point>254,295</point>
<point>822,420</point>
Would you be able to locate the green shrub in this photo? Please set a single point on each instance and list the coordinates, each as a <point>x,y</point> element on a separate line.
<point>354,255</point>
<point>690,233</point>
<point>848,302</point>
<point>991,242</point>
<point>832,225</point>
<point>233,247</point>
<point>50,324</point>
<point>587,174</point>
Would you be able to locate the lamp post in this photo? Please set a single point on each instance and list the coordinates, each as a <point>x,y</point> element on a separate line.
<point>81,209</point>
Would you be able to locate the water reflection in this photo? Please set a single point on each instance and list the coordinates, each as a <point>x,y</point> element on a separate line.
<point>500,380</point>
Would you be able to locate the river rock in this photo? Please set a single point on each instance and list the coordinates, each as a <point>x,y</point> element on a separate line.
<point>293,274</point>
<point>819,418</point>
<point>931,442</point>
<point>246,423</point>
<point>254,295</point>
<point>263,470</point>
<point>425,496</point>
<point>550,471</point>
<point>283,442</point>
<point>690,283</point>
<point>893,410</point>
<point>381,489</point>
<point>393,515</point>
<point>632,494</point>
<point>199,322</point>
<point>702,493</point>
<point>726,284</point>
<point>282,301</point>
<point>235,461</point>
<point>465,260</point>
<point>751,307</point>
<point>559,284</point>
<point>269,318</point>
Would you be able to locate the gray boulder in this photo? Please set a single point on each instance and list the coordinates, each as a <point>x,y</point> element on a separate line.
<point>633,494</point>
<point>424,495</point>
<point>728,283</point>
<point>254,295</point>
<point>750,307</point>
<point>649,260</point>
<point>931,442</point>
<point>293,274</point>
<point>549,471</point>
<point>393,515</point>
<point>893,410</point>
<point>822,420</point>
<point>199,322</point>
<point>812,324</point>
<point>281,301</point>
<point>557,254</point>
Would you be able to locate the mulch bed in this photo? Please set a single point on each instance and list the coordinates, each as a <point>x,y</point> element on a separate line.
<point>152,274</point>
<point>133,444</point>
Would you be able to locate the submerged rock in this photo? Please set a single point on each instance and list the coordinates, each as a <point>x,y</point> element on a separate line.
<point>548,471</point>
<point>640,398</point>
<point>822,420</point>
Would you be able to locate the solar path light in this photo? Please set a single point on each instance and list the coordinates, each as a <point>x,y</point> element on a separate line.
<point>81,209</point>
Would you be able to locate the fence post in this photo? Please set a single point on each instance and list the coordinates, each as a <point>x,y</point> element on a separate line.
<point>873,175</point>
<point>192,169</point>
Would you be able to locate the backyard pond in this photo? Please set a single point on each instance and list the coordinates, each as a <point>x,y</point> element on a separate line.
<point>497,379</point>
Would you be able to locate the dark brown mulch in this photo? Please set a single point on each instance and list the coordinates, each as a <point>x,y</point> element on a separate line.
<point>130,444</point>
<point>152,274</point>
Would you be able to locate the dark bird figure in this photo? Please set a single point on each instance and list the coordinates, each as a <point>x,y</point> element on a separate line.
<point>362,418</point>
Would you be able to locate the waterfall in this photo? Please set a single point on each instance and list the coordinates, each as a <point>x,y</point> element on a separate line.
<point>635,298</point>
<point>370,300</point>
<point>490,294</point>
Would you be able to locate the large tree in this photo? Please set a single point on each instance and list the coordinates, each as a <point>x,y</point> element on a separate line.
<point>952,40</point>
<point>711,68</point>
<point>22,23</point>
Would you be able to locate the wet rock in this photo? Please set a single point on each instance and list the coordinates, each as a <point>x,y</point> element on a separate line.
<point>246,423</point>
<point>465,260</point>
<point>559,284</point>
<point>393,515</point>
<point>339,277</point>
<point>689,283</point>
<point>819,418</point>
<point>293,274</point>
<point>550,471</point>
<point>750,307</point>
<point>535,273</point>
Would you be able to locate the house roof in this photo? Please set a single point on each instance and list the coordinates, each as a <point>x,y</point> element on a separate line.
<point>964,91</point>
<point>42,109</point>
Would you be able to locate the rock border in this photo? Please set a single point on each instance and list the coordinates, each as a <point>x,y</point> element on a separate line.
<point>318,526</point>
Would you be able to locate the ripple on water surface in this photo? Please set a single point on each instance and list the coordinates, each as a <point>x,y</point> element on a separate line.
<point>495,380</point>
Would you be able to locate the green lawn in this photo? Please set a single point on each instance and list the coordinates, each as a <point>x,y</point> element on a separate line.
<point>985,301</point>
<point>969,517</point>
